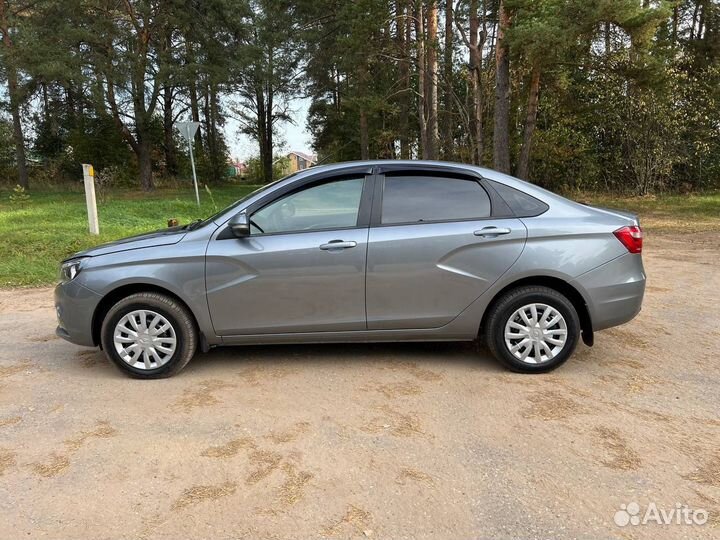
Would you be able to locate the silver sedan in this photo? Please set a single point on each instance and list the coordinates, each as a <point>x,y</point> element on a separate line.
<point>363,252</point>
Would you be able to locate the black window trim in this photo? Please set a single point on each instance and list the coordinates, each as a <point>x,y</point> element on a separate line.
<point>498,207</point>
<point>544,207</point>
<point>369,214</point>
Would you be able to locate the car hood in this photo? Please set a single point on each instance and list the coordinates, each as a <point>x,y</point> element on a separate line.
<point>162,237</point>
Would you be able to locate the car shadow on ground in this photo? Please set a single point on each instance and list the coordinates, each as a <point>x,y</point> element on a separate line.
<point>430,355</point>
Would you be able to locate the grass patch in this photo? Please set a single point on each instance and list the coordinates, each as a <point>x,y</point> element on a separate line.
<point>667,213</point>
<point>36,235</point>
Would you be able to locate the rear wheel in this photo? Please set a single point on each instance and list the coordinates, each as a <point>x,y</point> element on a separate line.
<point>149,335</point>
<point>532,329</point>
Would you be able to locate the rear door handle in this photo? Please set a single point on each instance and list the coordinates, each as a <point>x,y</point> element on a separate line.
<point>333,245</point>
<point>490,232</point>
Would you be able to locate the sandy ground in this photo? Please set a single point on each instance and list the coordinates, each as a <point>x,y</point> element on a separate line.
<point>383,441</point>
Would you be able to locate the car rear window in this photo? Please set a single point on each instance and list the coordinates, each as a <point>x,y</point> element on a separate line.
<point>415,199</point>
<point>522,204</point>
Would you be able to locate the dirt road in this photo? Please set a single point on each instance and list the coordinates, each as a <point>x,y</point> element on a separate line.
<point>381,441</point>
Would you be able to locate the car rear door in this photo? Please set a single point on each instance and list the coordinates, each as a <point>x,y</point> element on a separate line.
<point>302,269</point>
<point>436,243</point>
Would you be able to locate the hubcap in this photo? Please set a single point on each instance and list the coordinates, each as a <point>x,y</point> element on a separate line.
<point>144,339</point>
<point>535,333</point>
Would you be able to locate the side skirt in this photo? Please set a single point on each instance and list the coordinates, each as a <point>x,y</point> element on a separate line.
<point>377,336</point>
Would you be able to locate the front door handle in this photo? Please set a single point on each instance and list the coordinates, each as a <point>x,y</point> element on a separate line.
<point>333,245</point>
<point>491,232</point>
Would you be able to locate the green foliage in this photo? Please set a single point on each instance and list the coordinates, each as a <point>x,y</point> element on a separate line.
<point>601,129</point>
<point>212,199</point>
<point>351,70</point>
<point>7,153</point>
<point>255,173</point>
<point>19,197</point>
<point>36,236</point>
<point>106,180</point>
<point>629,90</point>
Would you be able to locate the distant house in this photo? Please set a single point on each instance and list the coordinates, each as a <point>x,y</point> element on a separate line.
<point>236,168</point>
<point>300,161</point>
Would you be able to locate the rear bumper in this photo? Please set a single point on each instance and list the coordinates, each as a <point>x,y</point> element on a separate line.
<point>614,291</point>
<point>75,306</point>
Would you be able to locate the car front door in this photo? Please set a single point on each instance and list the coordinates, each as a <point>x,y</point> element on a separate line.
<point>302,269</point>
<point>434,247</point>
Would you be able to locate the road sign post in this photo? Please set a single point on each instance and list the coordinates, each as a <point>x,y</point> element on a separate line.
<point>89,181</point>
<point>188,130</point>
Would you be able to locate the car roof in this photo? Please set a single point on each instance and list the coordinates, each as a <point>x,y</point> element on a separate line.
<point>398,164</point>
<point>489,174</point>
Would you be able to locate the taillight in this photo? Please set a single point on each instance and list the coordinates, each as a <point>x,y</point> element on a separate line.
<point>631,237</point>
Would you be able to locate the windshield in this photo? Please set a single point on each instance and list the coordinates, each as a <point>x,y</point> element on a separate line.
<point>201,223</point>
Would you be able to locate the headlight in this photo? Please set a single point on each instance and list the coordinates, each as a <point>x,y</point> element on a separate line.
<point>70,269</point>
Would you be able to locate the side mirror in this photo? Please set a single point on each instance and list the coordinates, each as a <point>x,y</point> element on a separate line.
<point>240,225</point>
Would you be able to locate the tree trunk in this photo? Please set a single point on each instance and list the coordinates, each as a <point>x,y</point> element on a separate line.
<point>143,148</point>
<point>701,21</point>
<point>15,101</point>
<point>432,81</point>
<point>209,140</point>
<point>364,136</point>
<point>144,155</point>
<point>675,16</point>
<point>606,35</point>
<point>447,130</point>
<point>501,135</point>
<point>267,157</point>
<point>694,19</point>
<point>335,89</point>
<point>217,160</point>
<point>493,40</point>
<point>171,165</point>
<point>262,129</point>
<point>363,77</point>
<point>420,40</point>
<point>476,118</point>
<point>192,90</point>
<point>269,133</point>
<point>523,165</point>
<point>46,102</point>
<point>403,39</point>
<point>18,137</point>
<point>195,113</point>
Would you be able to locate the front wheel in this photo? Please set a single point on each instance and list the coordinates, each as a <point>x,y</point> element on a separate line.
<point>149,335</point>
<point>532,329</point>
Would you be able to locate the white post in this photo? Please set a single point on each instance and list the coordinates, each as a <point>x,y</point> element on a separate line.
<point>192,162</point>
<point>89,180</point>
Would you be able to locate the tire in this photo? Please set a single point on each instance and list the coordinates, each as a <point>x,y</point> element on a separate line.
<point>508,308</point>
<point>182,330</point>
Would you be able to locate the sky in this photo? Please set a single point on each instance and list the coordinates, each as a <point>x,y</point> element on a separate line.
<point>295,136</point>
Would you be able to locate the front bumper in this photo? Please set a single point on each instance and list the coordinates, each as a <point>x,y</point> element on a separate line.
<point>614,291</point>
<point>75,306</point>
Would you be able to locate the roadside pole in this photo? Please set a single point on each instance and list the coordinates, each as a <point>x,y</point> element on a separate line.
<point>192,162</point>
<point>89,181</point>
<point>188,130</point>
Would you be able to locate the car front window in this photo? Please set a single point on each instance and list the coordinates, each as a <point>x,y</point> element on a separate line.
<point>330,205</point>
